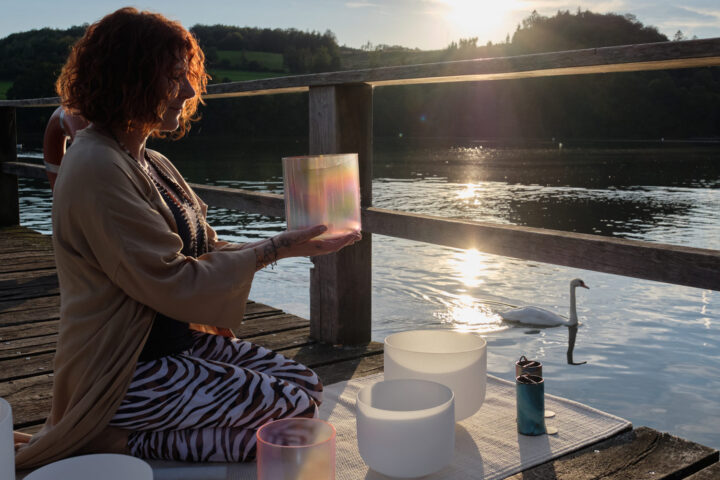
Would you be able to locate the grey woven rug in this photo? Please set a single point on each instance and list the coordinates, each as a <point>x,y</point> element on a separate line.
<point>487,445</point>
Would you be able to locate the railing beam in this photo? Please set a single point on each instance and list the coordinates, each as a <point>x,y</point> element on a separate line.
<point>9,200</point>
<point>680,265</point>
<point>340,283</point>
<point>675,264</point>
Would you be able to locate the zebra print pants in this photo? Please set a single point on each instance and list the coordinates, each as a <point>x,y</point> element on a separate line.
<point>205,404</point>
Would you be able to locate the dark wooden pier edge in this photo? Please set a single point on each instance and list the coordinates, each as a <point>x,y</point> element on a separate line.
<point>336,340</point>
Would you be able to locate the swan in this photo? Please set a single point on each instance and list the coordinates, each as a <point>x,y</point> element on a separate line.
<point>541,317</point>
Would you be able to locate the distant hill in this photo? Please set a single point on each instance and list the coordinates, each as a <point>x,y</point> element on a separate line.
<point>537,33</point>
<point>31,61</point>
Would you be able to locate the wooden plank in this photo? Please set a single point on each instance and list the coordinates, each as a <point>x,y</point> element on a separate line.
<point>274,324</point>
<point>24,292</point>
<point>27,263</point>
<point>710,473</point>
<point>21,367</point>
<point>16,248</point>
<point>9,200</point>
<point>30,398</point>
<point>27,256</point>
<point>18,242</point>
<point>29,244</point>
<point>298,337</point>
<point>27,346</point>
<point>323,354</point>
<point>14,238</point>
<point>28,317</point>
<point>341,283</point>
<point>44,276</point>
<point>30,304</point>
<point>38,329</point>
<point>349,369</point>
<point>692,267</point>
<point>624,58</point>
<point>258,310</point>
<point>633,454</point>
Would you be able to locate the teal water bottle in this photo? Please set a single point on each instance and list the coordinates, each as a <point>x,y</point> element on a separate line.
<point>530,399</point>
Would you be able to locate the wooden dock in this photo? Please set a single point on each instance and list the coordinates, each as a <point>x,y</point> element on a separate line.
<point>29,317</point>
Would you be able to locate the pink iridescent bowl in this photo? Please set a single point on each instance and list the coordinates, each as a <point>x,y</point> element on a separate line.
<point>322,190</point>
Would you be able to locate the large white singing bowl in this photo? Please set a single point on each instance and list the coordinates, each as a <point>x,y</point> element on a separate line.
<point>406,428</point>
<point>104,466</point>
<point>457,360</point>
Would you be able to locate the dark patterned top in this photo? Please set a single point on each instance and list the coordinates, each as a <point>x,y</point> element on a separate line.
<point>169,336</point>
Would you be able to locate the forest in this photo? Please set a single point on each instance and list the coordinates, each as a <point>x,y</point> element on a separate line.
<point>676,104</point>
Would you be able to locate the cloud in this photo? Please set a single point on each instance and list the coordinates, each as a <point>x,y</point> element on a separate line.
<point>361,5</point>
<point>687,13</point>
<point>404,7</point>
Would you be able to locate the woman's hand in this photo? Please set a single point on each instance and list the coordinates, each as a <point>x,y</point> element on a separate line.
<point>301,243</point>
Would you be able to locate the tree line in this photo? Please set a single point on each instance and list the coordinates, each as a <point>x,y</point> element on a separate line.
<point>303,52</point>
<point>670,104</point>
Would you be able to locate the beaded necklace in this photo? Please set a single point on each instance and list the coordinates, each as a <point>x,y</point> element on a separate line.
<point>198,240</point>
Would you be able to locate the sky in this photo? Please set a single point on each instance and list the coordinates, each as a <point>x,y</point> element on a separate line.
<point>424,24</point>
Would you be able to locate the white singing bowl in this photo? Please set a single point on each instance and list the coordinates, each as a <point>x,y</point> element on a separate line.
<point>457,360</point>
<point>406,428</point>
<point>101,466</point>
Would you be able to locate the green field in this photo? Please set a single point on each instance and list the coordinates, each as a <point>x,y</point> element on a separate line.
<point>358,59</point>
<point>271,61</point>
<point>240,75</point>
<point>4,87</point>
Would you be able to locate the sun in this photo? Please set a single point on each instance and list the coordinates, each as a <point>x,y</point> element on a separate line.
<point>485,19</point>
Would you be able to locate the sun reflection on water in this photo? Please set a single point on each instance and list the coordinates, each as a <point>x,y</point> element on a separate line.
<point>467,192</point>
<point>469,266</point>
<point>464,312</point>
<point>466,315</point>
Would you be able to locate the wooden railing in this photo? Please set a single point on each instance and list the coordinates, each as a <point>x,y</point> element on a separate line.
<point>341,121</point>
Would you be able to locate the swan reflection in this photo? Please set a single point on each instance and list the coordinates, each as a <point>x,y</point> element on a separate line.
<point>572,334</point>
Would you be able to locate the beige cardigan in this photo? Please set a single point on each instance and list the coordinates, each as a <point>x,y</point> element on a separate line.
<point>118,262</point>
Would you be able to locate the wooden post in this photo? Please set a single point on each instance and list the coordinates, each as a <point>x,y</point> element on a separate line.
<point>9,200</point>
<point>340,283</point>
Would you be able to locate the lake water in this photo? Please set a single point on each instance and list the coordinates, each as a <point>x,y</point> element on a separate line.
<point>652,349</point>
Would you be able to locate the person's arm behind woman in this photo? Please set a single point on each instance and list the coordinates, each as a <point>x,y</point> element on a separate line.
<point>61,127</point>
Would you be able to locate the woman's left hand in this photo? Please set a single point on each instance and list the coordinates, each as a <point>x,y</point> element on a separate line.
<point>304,242</point>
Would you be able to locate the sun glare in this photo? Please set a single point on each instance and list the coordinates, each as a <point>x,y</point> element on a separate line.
<point>469,265</point>
<point>485,19</point>
<point>465,315</point>
<point>467,193</point>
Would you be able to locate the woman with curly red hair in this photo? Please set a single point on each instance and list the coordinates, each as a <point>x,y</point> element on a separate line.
<point>138,266</point>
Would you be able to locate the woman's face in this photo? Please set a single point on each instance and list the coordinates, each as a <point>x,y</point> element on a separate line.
<point>177,97</point>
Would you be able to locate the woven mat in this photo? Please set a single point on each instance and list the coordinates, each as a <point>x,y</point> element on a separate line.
<point>487,445</point>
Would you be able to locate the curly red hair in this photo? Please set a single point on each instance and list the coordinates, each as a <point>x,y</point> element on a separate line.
<point>117,74</point>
